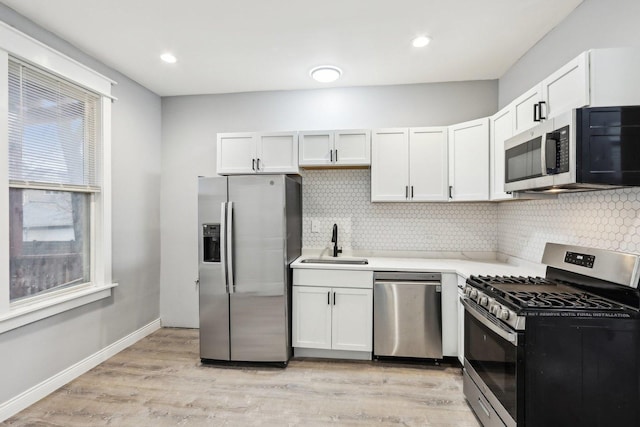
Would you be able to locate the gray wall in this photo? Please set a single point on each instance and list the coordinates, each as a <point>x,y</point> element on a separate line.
<point>594,24</point>
<point>190,124</point>
<point>35,352</point>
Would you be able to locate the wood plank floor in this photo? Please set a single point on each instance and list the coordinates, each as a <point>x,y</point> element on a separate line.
<point>160,381</point>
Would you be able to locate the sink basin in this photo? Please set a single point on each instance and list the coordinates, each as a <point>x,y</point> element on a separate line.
<point>335,261</point>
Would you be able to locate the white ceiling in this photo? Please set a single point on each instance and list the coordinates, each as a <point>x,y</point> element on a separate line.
<point>227,46</point>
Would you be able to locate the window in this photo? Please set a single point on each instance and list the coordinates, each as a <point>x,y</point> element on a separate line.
<point>53,141</point>
<point>55,192</point>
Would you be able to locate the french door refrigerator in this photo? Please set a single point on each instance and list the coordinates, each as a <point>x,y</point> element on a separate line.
<point>250,231</point>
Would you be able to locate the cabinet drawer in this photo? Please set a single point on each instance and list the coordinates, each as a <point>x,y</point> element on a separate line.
<point>333,278</point>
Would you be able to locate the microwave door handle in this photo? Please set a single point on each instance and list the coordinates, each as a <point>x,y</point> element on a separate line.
<point>543,155</point>
<point>232,285</point>
<point>223,244</point>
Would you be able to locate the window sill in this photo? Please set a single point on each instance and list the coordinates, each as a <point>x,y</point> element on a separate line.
<point>24,314</point>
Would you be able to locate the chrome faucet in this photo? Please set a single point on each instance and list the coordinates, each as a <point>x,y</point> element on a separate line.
<point>334,240</point>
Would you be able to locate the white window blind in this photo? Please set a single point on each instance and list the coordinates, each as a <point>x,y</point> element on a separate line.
<point>53,131</point>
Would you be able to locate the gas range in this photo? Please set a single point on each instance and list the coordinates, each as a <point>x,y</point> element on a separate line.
<point>535,346</point>
<point>511,299</point>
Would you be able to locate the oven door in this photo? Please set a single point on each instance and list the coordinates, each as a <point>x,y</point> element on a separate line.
<point>493,360</point>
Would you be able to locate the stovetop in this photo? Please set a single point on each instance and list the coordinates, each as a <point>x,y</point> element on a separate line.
<point>525,294</point>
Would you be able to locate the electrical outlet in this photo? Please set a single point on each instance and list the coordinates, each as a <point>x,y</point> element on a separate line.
<point>315,226</point>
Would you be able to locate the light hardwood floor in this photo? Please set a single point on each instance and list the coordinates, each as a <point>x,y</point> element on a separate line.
<point>160,381</point>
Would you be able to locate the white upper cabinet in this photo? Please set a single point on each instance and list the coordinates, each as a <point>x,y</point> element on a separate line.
<point>236,153</point>
<point>469,161</point>
<point>390,165</point>
<point>247,153</point>
<point>565,89</point>
<point>315,148</point>
<point>277,153</point>
<point>335,148</point>
<point>595,78</point>
<point>501,129</point>
<point>428,175</point>
<point>525,109</point>
<point>352,147</point>
<point>409,165</point>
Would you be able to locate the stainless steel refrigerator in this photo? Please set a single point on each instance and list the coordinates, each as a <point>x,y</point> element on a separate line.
<point>250,230</point>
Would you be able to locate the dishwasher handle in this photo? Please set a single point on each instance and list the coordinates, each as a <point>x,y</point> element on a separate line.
<point>407,282</point>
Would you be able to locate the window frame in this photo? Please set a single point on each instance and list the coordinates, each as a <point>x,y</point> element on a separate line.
<point>15,314</point>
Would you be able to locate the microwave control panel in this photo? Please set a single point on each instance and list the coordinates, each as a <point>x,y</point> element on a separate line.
<point>562,151</point>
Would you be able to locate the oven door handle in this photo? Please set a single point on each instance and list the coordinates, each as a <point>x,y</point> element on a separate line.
<point>502,332</point>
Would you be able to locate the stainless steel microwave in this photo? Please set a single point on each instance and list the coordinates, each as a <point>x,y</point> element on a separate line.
<point>581,150</point>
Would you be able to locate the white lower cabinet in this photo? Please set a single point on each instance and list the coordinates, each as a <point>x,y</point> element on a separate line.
<point>337,317</point>
<point>461,283</point>
<point>449,314</point>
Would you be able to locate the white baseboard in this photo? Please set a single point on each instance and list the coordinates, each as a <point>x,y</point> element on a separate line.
<point>37,392</point>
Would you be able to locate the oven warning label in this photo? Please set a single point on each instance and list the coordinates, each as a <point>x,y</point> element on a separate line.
<point>579,314</point>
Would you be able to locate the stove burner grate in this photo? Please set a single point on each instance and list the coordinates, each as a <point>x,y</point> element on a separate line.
<point>550,299</point>
<point>541,293</point>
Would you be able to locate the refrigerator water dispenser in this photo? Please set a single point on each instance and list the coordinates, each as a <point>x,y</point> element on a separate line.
<point>211,242</point>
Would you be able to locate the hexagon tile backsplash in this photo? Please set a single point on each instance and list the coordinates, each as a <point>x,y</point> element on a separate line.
<point>343,197</point>
<point>601,219</point>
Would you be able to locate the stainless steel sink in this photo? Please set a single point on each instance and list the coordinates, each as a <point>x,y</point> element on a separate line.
<point>335,261</point>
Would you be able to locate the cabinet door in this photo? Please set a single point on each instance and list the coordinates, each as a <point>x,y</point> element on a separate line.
<point>461,283</point>
<point>311,317</point>
<point>469,160</point>
<point>567,88</point>
<point>523,110</point>
<point>277,152</point>
<point>352,148</point>
<point>501,129</point>
<point>390,165</point>
<point>315,148</point>
<point>449,297</point>
<point>352,319</point>
<point>428,175</point>
<point>236,153</point>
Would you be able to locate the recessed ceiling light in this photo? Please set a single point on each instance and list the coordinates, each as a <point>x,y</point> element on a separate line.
<point>168,57</point>
<point>326,73</point>
<point>421,41</point>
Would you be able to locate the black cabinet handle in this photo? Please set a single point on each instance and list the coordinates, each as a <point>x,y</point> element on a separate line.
<point>331,155</point>
<point>336,155</point>
<point>536,107</point>
<point>406,192</point>
<point>412,191</point>
<point>334,298</point>
<point>253,164</point>
<point>451,191</point>
<point>540,104</point>
<point>329,298</point>
<point>258,164</point>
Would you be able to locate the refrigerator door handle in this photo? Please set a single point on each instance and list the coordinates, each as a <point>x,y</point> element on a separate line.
<point>223,244</point>
<point>229,244</point>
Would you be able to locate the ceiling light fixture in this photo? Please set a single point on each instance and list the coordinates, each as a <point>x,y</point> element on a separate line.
<point>325,73</point>
<point>168,57</point>
<point>421,41</point>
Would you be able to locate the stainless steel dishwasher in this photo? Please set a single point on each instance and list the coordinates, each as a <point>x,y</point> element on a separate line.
<point>407,315</point>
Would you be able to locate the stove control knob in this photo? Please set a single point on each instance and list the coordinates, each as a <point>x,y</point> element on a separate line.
<point>504,314</point>
<point>484,301</point>
<point>467,290</point>
<point>474,293</point>
<point>494,309</point>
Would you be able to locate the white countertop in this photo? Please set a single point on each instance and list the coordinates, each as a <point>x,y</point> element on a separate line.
<point>463,267</point>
